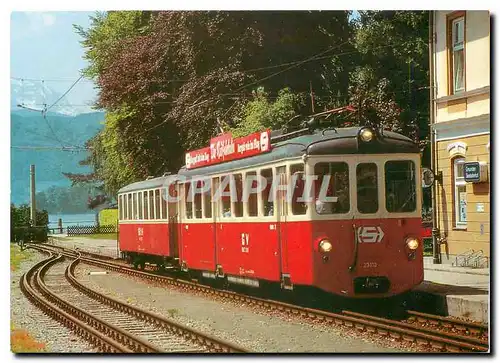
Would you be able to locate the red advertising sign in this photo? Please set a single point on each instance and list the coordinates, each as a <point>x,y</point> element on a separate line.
<point>197,158</point>
<point>224,148</point>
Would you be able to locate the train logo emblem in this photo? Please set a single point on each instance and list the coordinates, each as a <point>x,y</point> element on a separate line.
<point>370,234</point>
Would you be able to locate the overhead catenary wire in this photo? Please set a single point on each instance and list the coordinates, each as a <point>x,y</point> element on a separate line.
<point>64,94</point>
<point>262,79</point>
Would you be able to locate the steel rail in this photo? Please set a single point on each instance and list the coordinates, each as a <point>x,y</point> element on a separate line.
<point>470,327</point>
<point>133,343</point>
<point>96,338</point>
<point>212,344</point>
<point>432,338</point>
<point>453,342</point>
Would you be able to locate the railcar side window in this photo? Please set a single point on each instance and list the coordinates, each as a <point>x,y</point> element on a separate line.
<point>333,182</point>
<point>120,207</point>
<point>172,205</point>
<point>146,202</point>
<point>163,198</point>
<point>197,199</point>
<point>297,177</point>
<point>400,186</point>
<point>139,204</point>
<point>238,203</point>
<point>188,200</point>
<point>225,196</point>
<point>251,184</point>
<point>157,204</point>
<point>207,198</point>
<point>129,215</point>
<point>151,205</point>
<point>367,187</point>
<point>134,206</point>
<point>267,206</point>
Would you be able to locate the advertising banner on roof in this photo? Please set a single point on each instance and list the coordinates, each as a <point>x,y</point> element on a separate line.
<point>224,148</point>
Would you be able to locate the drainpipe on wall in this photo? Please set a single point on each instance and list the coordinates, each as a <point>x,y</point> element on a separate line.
<point>435,227</point>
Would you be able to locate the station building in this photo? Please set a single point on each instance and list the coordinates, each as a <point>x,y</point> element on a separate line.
<point>461,107</point>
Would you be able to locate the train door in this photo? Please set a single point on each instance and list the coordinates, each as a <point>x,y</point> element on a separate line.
<point>217,232</point>
<point>173,216</point>
<point>184,218</point>
<point>366,194</point>
<point>281,213</point>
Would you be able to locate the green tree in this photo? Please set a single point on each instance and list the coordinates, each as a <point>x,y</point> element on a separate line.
<point>20,224</point>
<point>390,84</point>
<point>166,77</point>
<point>259,113</point>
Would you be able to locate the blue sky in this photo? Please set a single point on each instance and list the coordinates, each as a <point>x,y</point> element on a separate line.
<point>45,46</point>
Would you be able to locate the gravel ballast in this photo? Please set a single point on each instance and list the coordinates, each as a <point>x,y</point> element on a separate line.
<point>242,325</point>
<point>24,315</point>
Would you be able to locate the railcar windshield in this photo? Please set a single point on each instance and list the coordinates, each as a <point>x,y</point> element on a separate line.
<point>400,186</point>
<point>367,188</point>
<point>334,179</point>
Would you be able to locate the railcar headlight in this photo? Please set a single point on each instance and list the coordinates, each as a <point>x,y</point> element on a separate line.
<point>412,243</point>
<point>366,135</point>
<point>325,246</point>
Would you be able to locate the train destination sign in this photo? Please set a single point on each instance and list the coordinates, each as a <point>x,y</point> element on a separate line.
<point>224,148</point>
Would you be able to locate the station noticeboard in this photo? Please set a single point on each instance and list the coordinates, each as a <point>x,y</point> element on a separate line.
<point>475,172</point>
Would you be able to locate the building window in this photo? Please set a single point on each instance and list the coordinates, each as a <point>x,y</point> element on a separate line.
<point>456,45</point>
<point>460,189</point>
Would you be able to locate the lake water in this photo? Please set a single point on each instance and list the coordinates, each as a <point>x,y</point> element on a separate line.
<point>86,219</point>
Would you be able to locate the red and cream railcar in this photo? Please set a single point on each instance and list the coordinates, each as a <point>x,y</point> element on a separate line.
<point>147,222</point>
<point>362,243</point>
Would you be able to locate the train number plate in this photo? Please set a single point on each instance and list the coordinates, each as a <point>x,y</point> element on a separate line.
<point>370,264</point>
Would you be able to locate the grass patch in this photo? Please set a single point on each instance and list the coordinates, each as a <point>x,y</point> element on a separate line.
<point>17,256</point>
<point>22,342</point>
<point>110,236</point>
<point>172,312</point>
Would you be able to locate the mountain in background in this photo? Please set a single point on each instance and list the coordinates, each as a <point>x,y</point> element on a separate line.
<point>36,94</point>
<point>29,128</point>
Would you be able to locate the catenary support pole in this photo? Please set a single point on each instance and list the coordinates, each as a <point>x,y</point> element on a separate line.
<point>435,228</point>
<point>32,196</point>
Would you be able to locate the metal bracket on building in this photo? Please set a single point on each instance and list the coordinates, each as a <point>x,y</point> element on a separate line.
<point>429,177</point>
<point>439,177</point>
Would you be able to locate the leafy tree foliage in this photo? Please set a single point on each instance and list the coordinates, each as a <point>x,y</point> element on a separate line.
<point>66,200</point>
<point>165,78</point>
<point>260,113</point>
<point>390,85</point>
<point>20,224</point>
<point>169,79</point>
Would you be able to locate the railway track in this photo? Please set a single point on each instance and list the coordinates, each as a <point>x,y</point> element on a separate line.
<point>430,331</point>
<point>112,325</point>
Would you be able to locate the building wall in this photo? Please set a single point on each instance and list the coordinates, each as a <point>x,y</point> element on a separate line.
<point>477,51</point>
<point>458,240</point>
<point>463,117</point>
